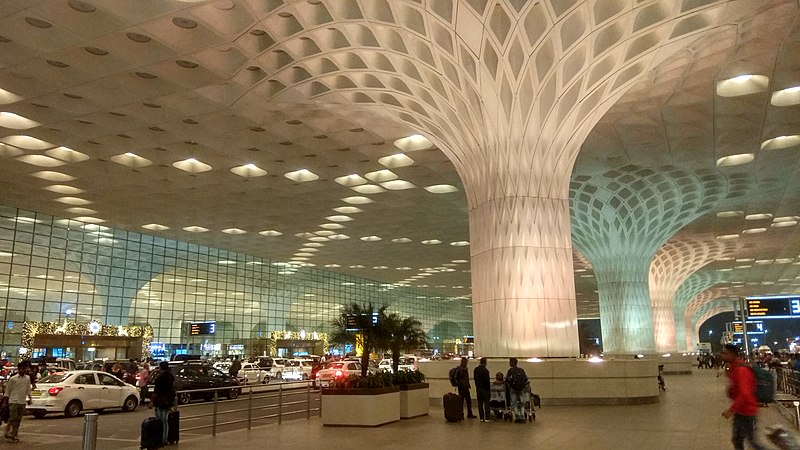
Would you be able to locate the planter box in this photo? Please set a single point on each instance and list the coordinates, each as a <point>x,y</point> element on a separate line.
<point>360,407</point>
<point>414,400</point>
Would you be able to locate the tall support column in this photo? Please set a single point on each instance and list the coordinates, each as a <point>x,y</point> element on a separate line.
<point>626,316</point>
<point>522,281</point>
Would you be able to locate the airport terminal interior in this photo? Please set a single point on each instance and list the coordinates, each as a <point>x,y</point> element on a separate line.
<point>203,176</point>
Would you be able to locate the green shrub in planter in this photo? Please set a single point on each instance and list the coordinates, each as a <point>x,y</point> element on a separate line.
<point>404,377</point>
<point>371,381</point>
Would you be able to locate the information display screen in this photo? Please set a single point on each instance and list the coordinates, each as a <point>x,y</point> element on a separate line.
<point>752,327</point>
<point>777,307</point>
<point>202,328</point>
<point>352,322</point>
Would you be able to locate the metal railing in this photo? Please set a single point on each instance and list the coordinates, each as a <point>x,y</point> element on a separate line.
<point>249,393</point>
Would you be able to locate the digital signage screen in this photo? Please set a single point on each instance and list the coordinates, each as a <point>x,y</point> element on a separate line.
<point>773,307</point>
<point>752,327</point>
<point>202,328</point>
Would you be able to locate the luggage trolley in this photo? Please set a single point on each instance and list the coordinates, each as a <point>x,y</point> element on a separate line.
<point>500,403</point>
<point>529,402</point>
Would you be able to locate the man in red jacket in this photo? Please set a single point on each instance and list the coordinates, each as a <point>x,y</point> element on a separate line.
<point>742,391</point>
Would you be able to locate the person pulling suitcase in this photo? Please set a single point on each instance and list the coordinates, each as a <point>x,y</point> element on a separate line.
<point>163,399</point>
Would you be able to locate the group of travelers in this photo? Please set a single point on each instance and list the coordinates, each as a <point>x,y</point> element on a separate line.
<point>515,381</point>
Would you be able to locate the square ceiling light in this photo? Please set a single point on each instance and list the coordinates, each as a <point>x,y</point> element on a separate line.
<point>357,200</point>
<point>8,151</point>
<point>735,160</point>
<point>40,160</point>
<point>234,231</point>
<point>26,142</point>
<point>191,165</point>
<point>781,142</point>
<point>64,189</point>
<point>67,154</point>
<point>441,189</point>
<point>131,160</point>
<point>155,227</point>
<point>413,143</point>
<point>53,176</point>
<point>301,176</point>
<point>81,211</point>
<point>76,201</point>
<point>396,160</point>
<point>195,229</point>
<point>431,242</point>
<point>402,240</point>
<point>7,97</point>
<point>742,85</point>
<point>249,171</point>
<point>381,175</point>
<point>398,185</point>
<point>368,189</point>
<point>348,210</point>
<point>270,233</point>
<point>339,218</point>
<point>351,180</point>
<point>786,97</point>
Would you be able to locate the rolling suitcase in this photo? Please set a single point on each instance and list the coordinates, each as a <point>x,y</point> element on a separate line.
<point>537,401</point>
<point>174,427</point>
<point>453,407</point>
<point>152,434</point>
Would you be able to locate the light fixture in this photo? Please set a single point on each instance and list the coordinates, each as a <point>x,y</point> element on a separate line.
<point>339,218</point>
<point>249,171</point>
<point>742,85</point>
<point>730,214</point>
<point>431,242</point>
<point>413,143</point>
<point>76,201</point>
<point>26,142</point>
<point>155,227</point>
<point>396,160</point>
<point>786,97</point>
<point>131,160</point>
<point>270,233</point>
<point>402,240</point>
<point>726,237</point>
<point>191,165</point>
<point>53,176</point>
<point>40,160</point>
<point>754,230</point>
<point>64,189</point>
<point>761,216</point>
<point>351,180</point>
<point>234,231</point>
<point>301,176</point>
<point>331,226</point>
<point>440,189</point>
<point>67,154</point>
<point>195,229</point>
<point>460,244</point>
<point>368,189</point>
<point>81,211</point>
<point>370,238</point>
<point>781,142</point>
<point>735,160</point>
<point>348,210</point>
<point>397,185</point>
<point>7,97</point>
<point>16,122</point>
<point>357,200</point>
<point>381,175</point>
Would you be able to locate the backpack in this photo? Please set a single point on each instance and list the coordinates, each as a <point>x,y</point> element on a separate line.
<point>516,379</point>
<point>765,385</point>
<point>453,376</point>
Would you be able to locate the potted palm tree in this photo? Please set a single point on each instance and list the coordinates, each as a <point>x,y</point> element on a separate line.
<point>371,399</point>
<point>404,335</point>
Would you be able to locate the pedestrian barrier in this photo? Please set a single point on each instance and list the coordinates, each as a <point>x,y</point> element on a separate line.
<point>288,400</point>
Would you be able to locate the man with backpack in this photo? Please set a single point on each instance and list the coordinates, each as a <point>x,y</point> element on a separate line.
<point>459,378</point>
<point>516,380</point>
<point>742,392</point>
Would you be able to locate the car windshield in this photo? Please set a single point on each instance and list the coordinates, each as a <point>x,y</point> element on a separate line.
<point>335,366</point>
<point>56,378</point>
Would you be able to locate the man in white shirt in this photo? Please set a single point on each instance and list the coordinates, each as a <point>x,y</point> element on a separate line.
<point>18,391</point>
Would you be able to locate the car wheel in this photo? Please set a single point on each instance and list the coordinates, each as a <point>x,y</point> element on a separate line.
<point>233,394</point>
<point>39,413</point>
<point>184,398</point>
<point>73,408</point>
<point>130,404</point>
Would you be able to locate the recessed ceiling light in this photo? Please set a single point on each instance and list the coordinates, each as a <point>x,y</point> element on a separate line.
<point>459,244</point>
<point>53,176</point>
<point>332,266</point>
<point>403,268</point>
<point>90,220</point>
<point>357,200</point>
<point>270,233</point>
<point>155,227</point>
<point>441,189</point>
<point>368,189</point>
<point>64,189</point>
<point>460,261</point>
<point>73,201</point>
<point>8,151</point>
<point>67,154</point>
<point>351,180</point>
<point>81,211</point>
<point>249,171</point>
<point>191,165</point>
<point>381,175</point>
<point>431,242</point>
<point>303,254</point>
<point>370,238</point>
<point>754,230</point>
<point>357,266</point>
<point>195,229</point>
<point>786,219</point>
<point>338,237</point>
<point>332,226</point>
<point>726,237</point>
<point>413,143</point>
<point>396,160</point>
<point>319,238</point>
<point>402,240</point>
<point>131,160</point>
<point>742,85</point>
<point>761,216</point>
<point>234,231</point>
<point>339,218</point>
<point>26,142</point>
<point>380,267</point>
<point>787,223</point>
<point>309,250</point>
<point>40,160</point>
<point>781,142</point>
<point>786,97</point>
<point>301,176</point>
<point>348,210</point>
<point>7,97</point>
<point>397,185</point>
<point>314,244</point>
<point>763,262</point>
<point>735,160</point>
<point>730,214</point>
<point>324,233</point>
<point>299,258</point>
<point>16,122</point>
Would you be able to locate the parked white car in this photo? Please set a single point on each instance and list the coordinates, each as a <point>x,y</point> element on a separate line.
<point>253,373</point>
<point>302,369</point>
<point>338,370</point>
<point>80,390</point>
<point>406,363</point>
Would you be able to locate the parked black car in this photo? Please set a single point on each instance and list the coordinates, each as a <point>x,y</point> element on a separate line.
<point>193,375</point>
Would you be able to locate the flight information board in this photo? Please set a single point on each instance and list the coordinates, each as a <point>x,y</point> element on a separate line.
<point>752,327</point>
<point>202,328</point>
<point>775,307</point>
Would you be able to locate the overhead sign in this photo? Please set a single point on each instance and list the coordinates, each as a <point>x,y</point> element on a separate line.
<point>753,327</point>
<point>202,328</point>
<point>351,322</point>
<point>773,307</point>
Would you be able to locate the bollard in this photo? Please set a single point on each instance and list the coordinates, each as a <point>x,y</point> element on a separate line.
<point>797,410</point>
<point>90,431</point>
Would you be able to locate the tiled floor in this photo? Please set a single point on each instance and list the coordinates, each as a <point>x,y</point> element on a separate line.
<point>688,417</point>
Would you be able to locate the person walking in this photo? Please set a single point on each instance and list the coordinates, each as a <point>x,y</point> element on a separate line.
<point>462,383</point>
<point>483,389</point>
<point>18,392</point>
<point>141,382</point>
<point>742,392</point>
<point>516,380</point>
<point>236,366</point>
<point>163,398</point>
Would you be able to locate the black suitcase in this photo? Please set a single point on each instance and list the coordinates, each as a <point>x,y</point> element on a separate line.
<point>152,434</point>
<point>453,407</point>
<point>174,427</point>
